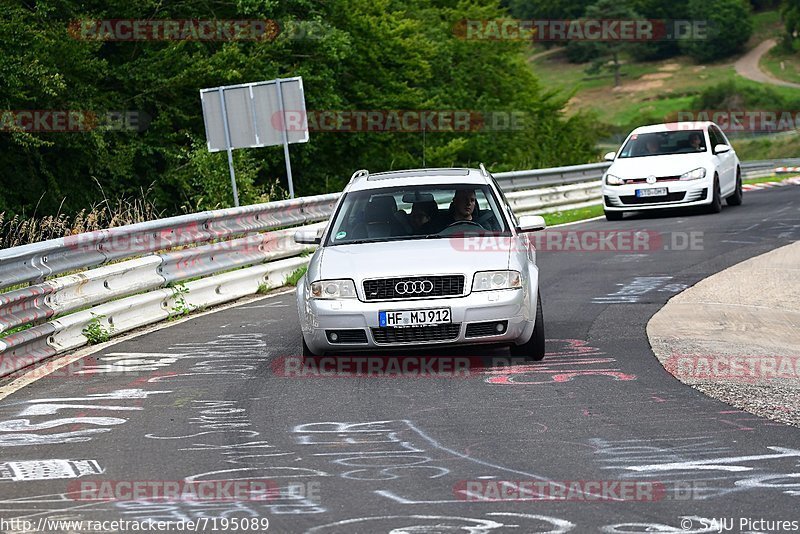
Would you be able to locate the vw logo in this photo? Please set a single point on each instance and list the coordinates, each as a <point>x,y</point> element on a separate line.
<point>651,179</point>
<point>414,287</point>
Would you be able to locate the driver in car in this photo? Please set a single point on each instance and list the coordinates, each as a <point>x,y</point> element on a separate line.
<point>463,205</point>
<point>462,208</point>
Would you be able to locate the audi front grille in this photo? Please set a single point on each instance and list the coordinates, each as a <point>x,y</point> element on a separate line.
<point>417,287</point>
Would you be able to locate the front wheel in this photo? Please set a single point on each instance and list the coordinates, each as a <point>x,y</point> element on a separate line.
<point>307,351</point>
<point>614,215</point>
<point>533,349</point>
<point>736,198</point>
<point>716,199</point>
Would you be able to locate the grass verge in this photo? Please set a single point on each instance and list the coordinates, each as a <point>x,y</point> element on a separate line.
<point>561,217</point>
<point>771,147</point>
<point>293,278</point>
<point>772,178</point>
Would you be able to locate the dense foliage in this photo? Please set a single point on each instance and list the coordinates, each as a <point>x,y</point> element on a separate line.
<point>729,25</point>
<point>352,55</point>
<point>734,96</point>
<point>790,13</point>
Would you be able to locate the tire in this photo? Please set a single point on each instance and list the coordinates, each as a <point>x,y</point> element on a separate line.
<point>307,351</point>
<point>614,215</point>
<point>716,199</point>
<point>736,198</point>
<point>533,350</point>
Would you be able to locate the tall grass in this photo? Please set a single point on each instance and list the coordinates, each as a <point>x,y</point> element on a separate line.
<point>21,230</point>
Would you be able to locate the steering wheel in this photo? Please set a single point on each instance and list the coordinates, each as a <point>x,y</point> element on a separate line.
<point>452,228</point>
<point>464,222</point>
<point>485,218</point>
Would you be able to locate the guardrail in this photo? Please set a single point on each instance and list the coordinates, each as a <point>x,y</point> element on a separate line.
<point>131,276</point>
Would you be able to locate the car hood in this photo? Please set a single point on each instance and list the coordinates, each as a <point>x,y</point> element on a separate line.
<point>668,165</point>
<point>416,257</point>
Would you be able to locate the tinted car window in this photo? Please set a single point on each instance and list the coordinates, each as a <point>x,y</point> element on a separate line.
<point>721,139</point>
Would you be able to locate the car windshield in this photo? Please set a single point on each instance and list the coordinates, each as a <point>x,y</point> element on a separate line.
<point>662,143</point>
<point>416,212</point>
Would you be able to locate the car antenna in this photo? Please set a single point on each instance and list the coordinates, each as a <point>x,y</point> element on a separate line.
<point>484,171</point>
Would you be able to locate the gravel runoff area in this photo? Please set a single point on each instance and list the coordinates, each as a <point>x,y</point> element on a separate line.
<point>735,336</point>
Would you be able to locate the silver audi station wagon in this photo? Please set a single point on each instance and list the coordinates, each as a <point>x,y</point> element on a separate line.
<point>416,258</point>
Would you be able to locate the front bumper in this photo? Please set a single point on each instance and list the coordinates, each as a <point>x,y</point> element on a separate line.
<point>679,194</point>
<point>513,306</point>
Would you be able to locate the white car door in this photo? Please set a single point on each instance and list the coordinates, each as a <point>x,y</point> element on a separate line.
<point>726,162</point>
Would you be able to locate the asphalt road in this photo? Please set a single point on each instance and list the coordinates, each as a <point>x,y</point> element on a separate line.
<point>209,399</point>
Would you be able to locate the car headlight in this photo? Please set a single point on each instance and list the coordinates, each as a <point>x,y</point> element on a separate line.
<point>333,289</point>
<point>696,174</point>
<point>490,280</point>
<point>614,180</point>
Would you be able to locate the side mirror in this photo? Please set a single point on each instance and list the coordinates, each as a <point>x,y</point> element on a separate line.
<point>610,156</point>
<point>721,148</point>
<point>307,237</point>
<point>531,223</point>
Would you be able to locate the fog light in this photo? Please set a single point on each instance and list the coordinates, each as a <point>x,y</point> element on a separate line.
<point>333,336</point>
<point>500,327</point>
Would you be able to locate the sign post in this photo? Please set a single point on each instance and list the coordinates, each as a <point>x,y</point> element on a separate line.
<point>284,124</point>
<point>255,115</point>
<point>228,147</point>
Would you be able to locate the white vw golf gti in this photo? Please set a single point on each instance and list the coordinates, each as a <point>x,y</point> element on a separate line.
<point>419,258</point>
<point>672,165</point>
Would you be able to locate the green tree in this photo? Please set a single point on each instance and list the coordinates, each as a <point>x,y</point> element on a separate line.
<point>790,13</point>
<point>352,55</point>
<point>548,9</point>
<point>730,25</point>
<point>607,55</point>
<point>663,14</point>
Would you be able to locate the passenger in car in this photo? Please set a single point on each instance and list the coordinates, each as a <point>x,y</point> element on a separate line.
<point>380,219</point>
<point>652,146</point>
<point>421,214</point>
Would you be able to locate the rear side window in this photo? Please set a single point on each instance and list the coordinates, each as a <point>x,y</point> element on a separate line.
<point>720,136</point>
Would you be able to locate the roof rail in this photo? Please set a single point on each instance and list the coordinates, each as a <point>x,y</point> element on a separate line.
<point>359,173</point>
<point>484,171</point>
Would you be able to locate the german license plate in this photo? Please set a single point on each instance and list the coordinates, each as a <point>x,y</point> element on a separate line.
<point>414,317</point>
<point>655,192</point>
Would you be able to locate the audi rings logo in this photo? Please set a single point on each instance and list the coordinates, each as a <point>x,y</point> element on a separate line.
<point>413,287</point>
